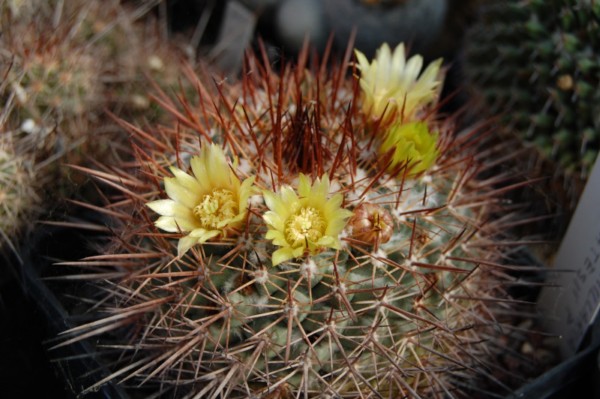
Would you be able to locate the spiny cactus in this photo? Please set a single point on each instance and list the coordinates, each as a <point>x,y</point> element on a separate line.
<point>269,244</point>
<point>62,65</point>
<point>18,198</point>
<point>536,63</point>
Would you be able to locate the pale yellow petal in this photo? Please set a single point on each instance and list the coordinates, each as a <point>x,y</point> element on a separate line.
<point>199,170</point>
<point>383,61</point>
<point>333,204</point>
<point>274,220</point>
<point>180,193</point>
<point>328,242</point>
<point>321,186</point>
<point>430,74</point>
<point>335,227</point>
<point>363,62</point>
<point>217,168</point>
<point>277,237</point>
<point>399,58</point>
<point>304,188</point>
<point>185,180</point>
<point>164,207</point>
<point>203,235</point>
<point>272,201</point>
<point>167,223</point>
<point>171,208</point>
<point>175,224</point>
<point>287,203</point>
<point>185,243</point>
<point>246,190</point>
<point>298,252</point>
<point>281,255</point>
<point>413,68</point>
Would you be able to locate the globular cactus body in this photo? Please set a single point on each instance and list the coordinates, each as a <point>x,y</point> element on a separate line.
<point>62,65</point>
<point>294,254</point>
<point>536,64</point>
<point>17,196</point>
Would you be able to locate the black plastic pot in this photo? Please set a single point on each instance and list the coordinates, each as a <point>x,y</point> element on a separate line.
<point>75,366</point>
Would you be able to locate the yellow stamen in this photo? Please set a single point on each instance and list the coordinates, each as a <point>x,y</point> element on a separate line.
<point>216,208</point>
<point>307,225</point>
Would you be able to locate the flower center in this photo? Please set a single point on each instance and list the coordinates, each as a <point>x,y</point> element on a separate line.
<point>216,208</point>
<point>306,225</point>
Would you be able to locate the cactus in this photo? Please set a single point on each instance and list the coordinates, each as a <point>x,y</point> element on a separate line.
<point>269,244</point>
<point>536,63</point>
<point>63,64</point>
<point>17,196</point>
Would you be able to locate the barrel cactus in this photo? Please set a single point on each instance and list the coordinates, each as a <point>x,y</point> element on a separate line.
<point>17,195</point>
<point>62,65</point>
<point>302,233</point>
<point>536,64</point>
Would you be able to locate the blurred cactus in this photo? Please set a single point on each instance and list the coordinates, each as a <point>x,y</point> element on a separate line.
<point>63,64</point>
<point>18,198</point>
<point>269,245</point>
<point>536,64</point>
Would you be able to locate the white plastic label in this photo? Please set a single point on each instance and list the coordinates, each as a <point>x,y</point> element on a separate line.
<point>572,301</point>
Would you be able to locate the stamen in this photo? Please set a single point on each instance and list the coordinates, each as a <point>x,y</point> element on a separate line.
<point>216,208</point>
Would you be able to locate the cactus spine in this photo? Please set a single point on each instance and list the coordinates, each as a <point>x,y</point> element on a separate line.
<point>63,64</point>
<point>268,245</point>
<point>536,64</point>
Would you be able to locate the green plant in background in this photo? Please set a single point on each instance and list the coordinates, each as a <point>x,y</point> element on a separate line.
<point>536,64</point>
<point>18,198</point>
<point>64,63</point>
<point>276,241</point>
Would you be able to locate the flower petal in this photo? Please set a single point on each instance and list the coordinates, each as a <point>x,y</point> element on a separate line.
<point>274,220</point>
<point>277,236</point>
<point>184,244</point>
<point>328,242</point>
<point>167,223</point>
<point>179,193</point>
<point>281,255</point>
<point>175,225</point>
<point>391,84</point>
<point>164,207</point>
<point>185,180</point>
<point>246,190</point>
<point>304,186</point>
<point>203,235</point>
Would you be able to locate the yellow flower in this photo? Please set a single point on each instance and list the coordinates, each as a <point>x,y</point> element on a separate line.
<point>305,222</point>
<point>211,203</point>
<point>391,84</point>
<point>413,143</point>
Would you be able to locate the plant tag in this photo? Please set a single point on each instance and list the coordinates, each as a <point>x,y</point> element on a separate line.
<point>571,301</point>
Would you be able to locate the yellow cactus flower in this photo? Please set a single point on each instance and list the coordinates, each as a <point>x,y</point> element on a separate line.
<point>412,143</point>
<point>391,84</point>
<point>308,222</point>
<point>211,203</point>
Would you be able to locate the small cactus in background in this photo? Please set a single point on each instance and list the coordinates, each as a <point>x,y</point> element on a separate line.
<point>18,198</point>
<point>276,242</point>
<point>536,64</point>
<point>63,64</point>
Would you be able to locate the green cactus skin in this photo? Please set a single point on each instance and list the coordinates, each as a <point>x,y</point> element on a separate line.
<point>418,315</point>
<point>536,63</point>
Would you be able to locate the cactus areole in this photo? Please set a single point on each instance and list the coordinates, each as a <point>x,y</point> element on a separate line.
<point>277,244</point>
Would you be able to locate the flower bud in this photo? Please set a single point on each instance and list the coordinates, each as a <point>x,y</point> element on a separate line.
<point>371,224</point>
